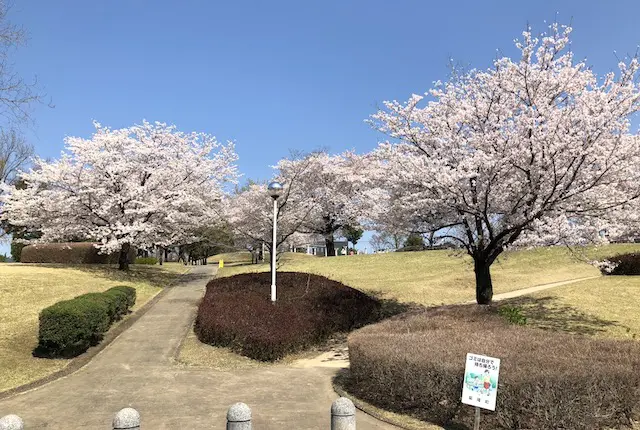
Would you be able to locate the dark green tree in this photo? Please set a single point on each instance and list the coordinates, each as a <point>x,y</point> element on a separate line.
<point>415,242</point>
<point>352,233</point>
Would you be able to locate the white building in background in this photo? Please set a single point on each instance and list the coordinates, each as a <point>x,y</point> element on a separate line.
<point>320,249</point>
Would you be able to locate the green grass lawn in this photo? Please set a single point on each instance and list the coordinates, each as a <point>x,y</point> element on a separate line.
<point>25,289</point>
<point>438,277</point>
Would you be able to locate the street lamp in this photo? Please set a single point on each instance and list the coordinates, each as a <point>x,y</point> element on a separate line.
<point>275,190</point>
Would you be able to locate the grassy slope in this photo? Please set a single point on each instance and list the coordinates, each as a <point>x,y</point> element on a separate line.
<point>26,289</point>
<point>231,258</point>
<point>603,307</point>
<point>436,277</point>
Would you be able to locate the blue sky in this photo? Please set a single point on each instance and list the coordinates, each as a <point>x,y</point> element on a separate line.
<point>277,75</point>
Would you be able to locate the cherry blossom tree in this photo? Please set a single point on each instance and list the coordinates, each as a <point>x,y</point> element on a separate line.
<point>249,213</point>
<point>144,185</point>
<point>330,186</point>
<point>533,150</point>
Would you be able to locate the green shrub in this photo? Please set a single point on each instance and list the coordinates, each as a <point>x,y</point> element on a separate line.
<point>415,242</point>
<point>146,260</point>
<point>548,380</point>
<point>513,314</point>
<point>3,258</point>
<point>69,253</point>
<point>127,295</point>
<point>69,327</point>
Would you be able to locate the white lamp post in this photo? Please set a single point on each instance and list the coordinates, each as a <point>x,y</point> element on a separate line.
<point>275,191</point>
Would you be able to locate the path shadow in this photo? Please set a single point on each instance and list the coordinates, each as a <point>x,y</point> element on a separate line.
<point>191,277</point>
<point>547,314</point>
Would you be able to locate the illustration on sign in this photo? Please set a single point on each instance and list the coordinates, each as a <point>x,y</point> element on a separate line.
<point>481,381</point>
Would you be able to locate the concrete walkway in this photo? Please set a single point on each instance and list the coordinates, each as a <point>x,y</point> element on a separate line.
<point>525,291</point>
<point>136,370</point>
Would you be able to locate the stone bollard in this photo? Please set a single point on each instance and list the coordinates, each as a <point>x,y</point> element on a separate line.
<point>11,422</point>
<point>343,414</point>
<point>127,419</point>
<point>239,417</point>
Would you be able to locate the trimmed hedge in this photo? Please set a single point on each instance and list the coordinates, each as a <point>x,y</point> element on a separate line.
<point>146,260</point>
<point>626,264</point>
<point>69,253</point>
<point>237,312</point>
<point>69,327</point>
<point>548,380</point>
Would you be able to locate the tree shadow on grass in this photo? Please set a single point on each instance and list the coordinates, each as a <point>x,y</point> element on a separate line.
<point>241,263</point>
<point>390,307</point>
<point>154,275</point>
<point>545,313</point>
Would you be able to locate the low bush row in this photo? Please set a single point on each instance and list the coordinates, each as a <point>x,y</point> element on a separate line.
<point>69,327</point>
<point>237,312</point>
<point>69,253</point>
<point>548,380</point>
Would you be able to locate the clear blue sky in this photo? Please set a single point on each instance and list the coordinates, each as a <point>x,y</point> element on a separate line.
<point>274,75</point>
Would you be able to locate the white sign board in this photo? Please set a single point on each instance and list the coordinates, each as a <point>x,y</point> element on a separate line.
<point>481,381</point>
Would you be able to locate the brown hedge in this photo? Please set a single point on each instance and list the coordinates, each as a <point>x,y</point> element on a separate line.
<point>237,312</point>
<point>69,253</point>
<point>548,380</point>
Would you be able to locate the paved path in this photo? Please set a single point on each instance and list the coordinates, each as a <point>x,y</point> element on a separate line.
<point>525,291</point>
<point>136,370</point>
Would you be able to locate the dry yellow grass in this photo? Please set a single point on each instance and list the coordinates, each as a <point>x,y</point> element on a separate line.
<point>26,289</point>
<point>231,257</point>
<point>442,277</point>
<point>602,307</point>
<point>244,257</point>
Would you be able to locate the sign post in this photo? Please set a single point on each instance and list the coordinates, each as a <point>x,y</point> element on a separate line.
<point>480,385</point>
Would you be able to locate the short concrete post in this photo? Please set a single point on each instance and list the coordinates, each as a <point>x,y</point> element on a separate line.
<point>343,414</point>
<point>239,417</point>
<point>127,419</point>
<point>11,422</point>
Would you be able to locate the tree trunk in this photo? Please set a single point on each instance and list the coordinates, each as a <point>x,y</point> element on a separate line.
<point>331,248</point>
<point>484,288</point>
<point>123,258</point>
<point>431,239</point>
